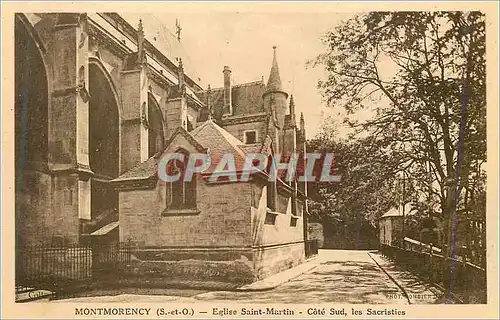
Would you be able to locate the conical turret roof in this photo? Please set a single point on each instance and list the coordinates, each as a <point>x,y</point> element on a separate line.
<point>274,81</point>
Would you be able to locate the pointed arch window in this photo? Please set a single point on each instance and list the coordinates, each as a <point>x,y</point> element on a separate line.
<point>156,135</point>
<point>181,194</point>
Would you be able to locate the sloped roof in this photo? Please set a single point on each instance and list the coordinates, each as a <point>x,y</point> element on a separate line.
<point>393,212</point>
<point>208,136</point>
<point>246,99</point>
<point>398,212</point>
<point>219,142</point>
<point>144,170</point>
<point>162,38</point>
<point>106,229</point>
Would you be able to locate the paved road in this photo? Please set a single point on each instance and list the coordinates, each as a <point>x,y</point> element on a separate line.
<point>343,276</point>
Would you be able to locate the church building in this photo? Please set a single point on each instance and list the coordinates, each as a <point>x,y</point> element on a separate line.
<point>98,102</point>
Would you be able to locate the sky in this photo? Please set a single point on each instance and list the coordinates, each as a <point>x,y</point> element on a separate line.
<point>244,41</point>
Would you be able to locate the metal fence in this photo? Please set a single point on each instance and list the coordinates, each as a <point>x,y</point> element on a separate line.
<point>472,255</point>
<point>458,275</point>
<point>111,257</point>
<point>46,265</point>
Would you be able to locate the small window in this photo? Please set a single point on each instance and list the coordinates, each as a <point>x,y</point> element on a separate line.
<point>270,218</point>
<point>293,221</point>
<point>250,137</point>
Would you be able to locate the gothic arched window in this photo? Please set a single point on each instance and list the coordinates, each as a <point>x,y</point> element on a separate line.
<point>155,130</point>
<point>181,194</point>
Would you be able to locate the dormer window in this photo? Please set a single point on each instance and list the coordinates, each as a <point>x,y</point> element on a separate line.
<point>250,137</point>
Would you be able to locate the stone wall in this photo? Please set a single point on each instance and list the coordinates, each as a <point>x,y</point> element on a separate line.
<point>282,232</point>
<point>238,130</point>
<point>280,246</point>
<point>210,245</point>
<point>223,219</point>
<point>269,260</point>
<point>234,271</point>
<point>220,243</point>
<point>47,208</point>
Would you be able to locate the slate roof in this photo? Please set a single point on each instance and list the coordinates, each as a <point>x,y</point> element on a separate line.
<point>219,142</point>
<point>144,170</point>
<point>209,136</point>
<point>246,99</point>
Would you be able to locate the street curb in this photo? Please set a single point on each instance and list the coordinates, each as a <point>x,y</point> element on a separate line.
<point>392,279</point>
<point>66,293</point>
<point>279,279</point>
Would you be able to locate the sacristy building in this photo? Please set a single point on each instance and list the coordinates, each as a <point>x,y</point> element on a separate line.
<point>99,100</point>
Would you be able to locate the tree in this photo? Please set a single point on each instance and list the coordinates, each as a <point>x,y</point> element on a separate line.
<point>423,74</point>
<point>366,189</point>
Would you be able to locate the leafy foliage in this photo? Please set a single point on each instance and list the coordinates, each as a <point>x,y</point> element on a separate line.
<point>423,76</point>
<point>366,188</point>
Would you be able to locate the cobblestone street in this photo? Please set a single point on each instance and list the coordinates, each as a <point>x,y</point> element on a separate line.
<point>341,276</point>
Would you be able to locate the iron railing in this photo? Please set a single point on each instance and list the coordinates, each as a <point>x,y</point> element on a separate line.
<point>454,274</point>
<point>46,265</point>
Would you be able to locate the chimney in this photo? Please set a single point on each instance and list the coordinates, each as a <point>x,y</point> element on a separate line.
<point>228,101</point>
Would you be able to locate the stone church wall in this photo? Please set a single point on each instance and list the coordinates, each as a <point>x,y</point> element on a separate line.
<point>209,245</point>
<point>277,246</point>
